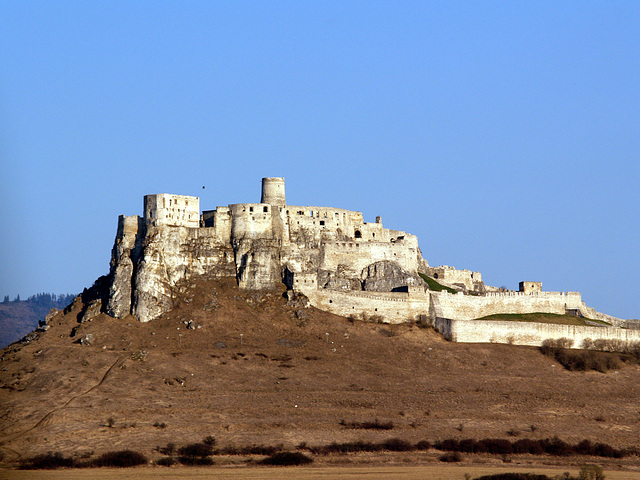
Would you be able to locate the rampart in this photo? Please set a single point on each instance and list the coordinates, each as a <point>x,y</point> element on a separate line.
<point>528,333</point>
<point>388,307</point>
<point>469,307</point>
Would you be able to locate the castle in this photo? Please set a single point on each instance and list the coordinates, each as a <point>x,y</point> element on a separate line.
<point>331,256</point>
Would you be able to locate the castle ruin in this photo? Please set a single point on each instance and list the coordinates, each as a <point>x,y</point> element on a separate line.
<point>339,262</point>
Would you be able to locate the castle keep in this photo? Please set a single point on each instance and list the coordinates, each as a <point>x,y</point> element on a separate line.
<point>341,263</point>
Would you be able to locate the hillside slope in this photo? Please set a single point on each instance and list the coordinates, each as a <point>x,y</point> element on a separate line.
<point>258,370</point>
<point>19,317</point>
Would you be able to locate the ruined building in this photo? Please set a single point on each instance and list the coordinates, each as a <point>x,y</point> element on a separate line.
<point>341,263</point>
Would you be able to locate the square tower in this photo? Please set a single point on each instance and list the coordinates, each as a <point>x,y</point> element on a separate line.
<point>530,287</point>
<point>172,210</point>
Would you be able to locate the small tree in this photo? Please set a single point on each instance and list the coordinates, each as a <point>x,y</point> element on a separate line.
<point>591,472</point>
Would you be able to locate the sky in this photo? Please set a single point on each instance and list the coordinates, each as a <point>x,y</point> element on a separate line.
<point>505,135</point>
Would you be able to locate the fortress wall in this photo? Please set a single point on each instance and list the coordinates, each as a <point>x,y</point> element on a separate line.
<point>392,307</point>
<point>358,255</point>
<point>527,333</point>
<point>469,307</point>
<point>591,313</point>
<point>251,220</point>
<point>220,221</point>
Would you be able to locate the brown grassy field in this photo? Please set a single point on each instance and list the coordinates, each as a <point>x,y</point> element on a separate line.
<point>438,472</point>
<point>259,371</point>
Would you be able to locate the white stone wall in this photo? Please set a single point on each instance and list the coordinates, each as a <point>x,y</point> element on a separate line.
<point>469,307</point>
<point>172,210</point>
<point>360,254</point>
<point>251,220</point>
<point>388,307</point>
<point>528,333</point>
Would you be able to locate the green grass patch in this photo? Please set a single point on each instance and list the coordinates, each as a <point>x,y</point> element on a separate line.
<point>435,286</point>
<point>540,318</point>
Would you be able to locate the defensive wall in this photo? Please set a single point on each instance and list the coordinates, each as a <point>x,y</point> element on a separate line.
<point>388,307</point>
<point>469,307</point>
<point>528,333</point>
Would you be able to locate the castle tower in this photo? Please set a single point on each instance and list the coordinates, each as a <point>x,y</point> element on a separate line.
<point>273,191</point>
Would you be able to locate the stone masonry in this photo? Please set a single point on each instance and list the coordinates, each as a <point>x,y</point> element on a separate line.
<point>341,263</point>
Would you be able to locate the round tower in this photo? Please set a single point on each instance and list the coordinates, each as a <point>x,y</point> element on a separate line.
<point>273,191</point>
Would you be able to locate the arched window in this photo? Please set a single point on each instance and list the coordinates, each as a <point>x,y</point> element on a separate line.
<point>358,234</point>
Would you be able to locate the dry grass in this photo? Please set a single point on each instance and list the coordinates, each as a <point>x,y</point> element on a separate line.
<point>254,375</point>
<point>303,473</point>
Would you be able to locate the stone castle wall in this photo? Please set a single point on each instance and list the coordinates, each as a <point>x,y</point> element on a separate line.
<point>387,307</point>
<point>528,333</point>
<point>357,255</point>
<point>469,307</point>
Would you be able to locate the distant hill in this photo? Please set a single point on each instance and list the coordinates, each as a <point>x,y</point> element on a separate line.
<point>19,317</point>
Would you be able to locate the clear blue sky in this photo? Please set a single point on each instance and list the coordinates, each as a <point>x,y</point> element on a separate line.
<point>506,135</point>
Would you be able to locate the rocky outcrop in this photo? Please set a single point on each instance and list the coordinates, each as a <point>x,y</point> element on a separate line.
<point>149,262</point>
<point>258,263</point>
<point>124,257</point>
<point>387,276</point>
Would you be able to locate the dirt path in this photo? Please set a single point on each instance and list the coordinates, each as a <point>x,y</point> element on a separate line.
<point>11,454</point>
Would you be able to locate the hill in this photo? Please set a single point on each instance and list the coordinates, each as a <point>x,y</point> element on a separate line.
<point>254,368</point>
<point>19,317</point>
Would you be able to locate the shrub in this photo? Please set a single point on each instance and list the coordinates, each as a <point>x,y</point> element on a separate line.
<point>375,425</point>
<point>170,449</point>
<point>397,445</point>
<point>347,447</point>
<point>467,445</point>
<point>526,445</point>
<point>450,457</point>
<point>513,476</point>
<point>121,459</point>
<point>167,461</point>
<point>551,345</point>
<point>591,472</point>
<point>496,446</point>
<point>49,461</point>
<point>423,445</point>
<point>209,440</point>
<point>286,459</point>
<point>195,450</point>
<point>195,461</point>
<point>195,454</point>
<point>249,450</point>
<point>423,321</point>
